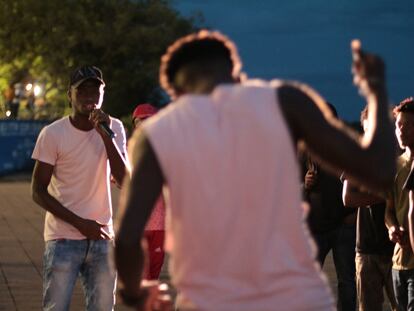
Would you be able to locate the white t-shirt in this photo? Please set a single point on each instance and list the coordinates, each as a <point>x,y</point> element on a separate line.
<point>235,227</point>
<point>81,175</point>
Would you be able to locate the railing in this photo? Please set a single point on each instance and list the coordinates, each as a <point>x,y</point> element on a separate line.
<point>17,140</point>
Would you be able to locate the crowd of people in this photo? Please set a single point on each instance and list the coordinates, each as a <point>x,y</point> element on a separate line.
<point>214,180</point>
<point>25,102</point>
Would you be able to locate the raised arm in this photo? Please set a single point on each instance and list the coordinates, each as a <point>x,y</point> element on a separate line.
<point>331,142</point>
<point>138,198</point>
<point>117,161</point>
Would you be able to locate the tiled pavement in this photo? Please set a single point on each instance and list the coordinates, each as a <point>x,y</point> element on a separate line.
<point>21,249</point>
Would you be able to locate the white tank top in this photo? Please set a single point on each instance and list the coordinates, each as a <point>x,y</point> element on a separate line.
<point>236,232</point>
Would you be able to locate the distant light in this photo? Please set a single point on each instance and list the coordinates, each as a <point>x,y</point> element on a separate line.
<point>8,113</point>
<point>29,87</point>
<point>37,90</point>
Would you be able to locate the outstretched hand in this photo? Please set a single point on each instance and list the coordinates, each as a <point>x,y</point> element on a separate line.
<point>368,70</point>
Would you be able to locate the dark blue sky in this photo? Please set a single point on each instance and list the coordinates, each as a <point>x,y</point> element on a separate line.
<point>309,41</point>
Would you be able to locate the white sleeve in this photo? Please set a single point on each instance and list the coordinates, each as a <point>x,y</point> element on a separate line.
<point>120,138</point>
<point>46,147</point>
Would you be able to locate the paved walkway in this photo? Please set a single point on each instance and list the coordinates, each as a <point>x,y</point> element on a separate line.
<point>21,251</point>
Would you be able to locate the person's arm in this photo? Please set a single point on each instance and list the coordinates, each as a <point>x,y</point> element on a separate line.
<point>396,232</point>
<point>411,219</point>
<point>42,174</point>
<point>117,161</point>
<point>409,185</point>
<point>353,197</point>
<point>138,198</point>
<point>390,217</point>
<point>336,146</point>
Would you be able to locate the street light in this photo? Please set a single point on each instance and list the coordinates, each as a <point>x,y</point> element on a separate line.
<point>37,90</point>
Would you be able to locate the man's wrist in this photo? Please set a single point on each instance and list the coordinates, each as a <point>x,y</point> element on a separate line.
<point>78,222</point>
<point>342,177</point>
<point>377,93</point>
<point>128,298</point>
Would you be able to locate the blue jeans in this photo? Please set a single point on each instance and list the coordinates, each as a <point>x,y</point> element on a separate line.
<point>64,260</point>
<point>342,243</point>
<point>403,282</point>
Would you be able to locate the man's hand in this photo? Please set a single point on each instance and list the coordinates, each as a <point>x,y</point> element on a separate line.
<point>310,179</point>
<point>151,297</point>
<point>398,235</point>
<point>368,70</point>
<point>97,117</point>
<point>92,230</point>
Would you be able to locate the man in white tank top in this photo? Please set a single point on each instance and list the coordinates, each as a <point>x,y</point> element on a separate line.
<point>225,152</point>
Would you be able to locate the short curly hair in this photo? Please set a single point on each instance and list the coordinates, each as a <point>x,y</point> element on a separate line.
<point>198,47</point>
<point>406,105</point>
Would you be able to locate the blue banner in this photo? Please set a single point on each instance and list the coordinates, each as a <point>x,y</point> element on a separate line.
<point>17,140</point>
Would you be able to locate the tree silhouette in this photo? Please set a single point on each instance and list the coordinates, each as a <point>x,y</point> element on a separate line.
<point>44,40</point>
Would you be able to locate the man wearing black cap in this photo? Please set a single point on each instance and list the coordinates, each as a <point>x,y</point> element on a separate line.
<point>75,157</point>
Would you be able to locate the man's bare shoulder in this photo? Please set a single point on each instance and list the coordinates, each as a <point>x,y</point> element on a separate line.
<point>296,94</point>
<point>295,104</point>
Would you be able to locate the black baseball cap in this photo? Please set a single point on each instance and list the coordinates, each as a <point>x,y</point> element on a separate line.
<point>84,73</point>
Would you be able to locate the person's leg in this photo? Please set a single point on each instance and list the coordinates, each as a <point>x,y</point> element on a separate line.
<point>410,289</point>
<point>61,263</point>
<point>344,260</point>
<point>156,253</point>
<point>369,282</point>
<point>324,243</point>
<point>400,288</point>
<point>98,277</point>
<point>384,264</point>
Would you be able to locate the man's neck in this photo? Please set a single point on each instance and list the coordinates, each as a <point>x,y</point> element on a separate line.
<point>81,122</point>
<point>206,85</point>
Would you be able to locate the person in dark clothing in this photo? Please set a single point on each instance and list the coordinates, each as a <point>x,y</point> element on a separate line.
<point>374,250</point>
<point>332,227</point>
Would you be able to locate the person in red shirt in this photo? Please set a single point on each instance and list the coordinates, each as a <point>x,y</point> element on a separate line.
<point>155,228</point>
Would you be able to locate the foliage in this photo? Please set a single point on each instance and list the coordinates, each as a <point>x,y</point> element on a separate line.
<point>44,40</point>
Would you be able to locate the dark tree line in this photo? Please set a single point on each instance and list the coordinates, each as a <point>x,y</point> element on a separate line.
<point>44,40</point>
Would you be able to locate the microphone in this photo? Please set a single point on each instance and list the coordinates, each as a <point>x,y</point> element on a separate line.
<point>104,127</point>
